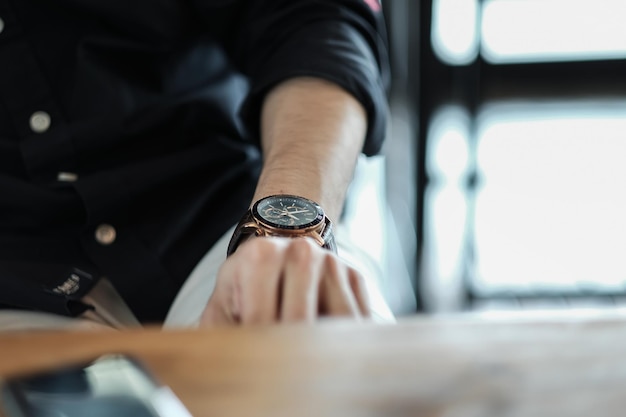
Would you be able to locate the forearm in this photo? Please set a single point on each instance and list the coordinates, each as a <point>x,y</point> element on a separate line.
<point>312,132</point>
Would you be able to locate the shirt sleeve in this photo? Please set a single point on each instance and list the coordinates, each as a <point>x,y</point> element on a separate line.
<point>342,41</point>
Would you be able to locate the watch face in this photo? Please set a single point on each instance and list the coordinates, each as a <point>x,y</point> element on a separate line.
<point>288,212</point>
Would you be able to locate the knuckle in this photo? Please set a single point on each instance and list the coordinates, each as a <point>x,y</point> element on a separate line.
<point>357,280</point>
<point>333,267</point>
<point>301,250</point>
<point>260,249</point>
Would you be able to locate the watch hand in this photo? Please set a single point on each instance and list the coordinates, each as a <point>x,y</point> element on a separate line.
<point>299,211</point>
<point>286,213</point>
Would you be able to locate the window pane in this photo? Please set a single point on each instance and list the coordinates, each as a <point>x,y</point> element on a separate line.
<point>454,31</point>
<point>551,202</point>
<point>445,208</point>
<point>553,30</point>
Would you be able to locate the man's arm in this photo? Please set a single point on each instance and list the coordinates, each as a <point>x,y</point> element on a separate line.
<point>312,132</point>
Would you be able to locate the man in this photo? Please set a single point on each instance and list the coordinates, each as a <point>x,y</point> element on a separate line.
<point>131,136</point>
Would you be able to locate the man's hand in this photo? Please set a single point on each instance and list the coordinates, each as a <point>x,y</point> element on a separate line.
<point>276,279</point>
<point>312,132</point>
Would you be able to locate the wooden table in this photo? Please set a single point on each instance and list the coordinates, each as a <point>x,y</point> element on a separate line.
<point>463,367</point>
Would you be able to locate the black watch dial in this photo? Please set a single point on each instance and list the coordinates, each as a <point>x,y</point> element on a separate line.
<point>288,212</point>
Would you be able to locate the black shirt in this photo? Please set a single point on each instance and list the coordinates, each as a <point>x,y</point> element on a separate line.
<point>129,131</point>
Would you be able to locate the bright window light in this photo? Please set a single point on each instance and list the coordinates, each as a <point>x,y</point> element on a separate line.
<point>553,30</point>
<point>455,31</point>
<point>445,207</point>
<point>448,144</point>
<point>550,206</point>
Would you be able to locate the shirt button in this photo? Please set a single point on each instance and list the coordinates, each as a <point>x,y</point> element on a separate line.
<point>67,177</point>
<point>40,122</point>
<point>105,234</point>
<point>1,25</point>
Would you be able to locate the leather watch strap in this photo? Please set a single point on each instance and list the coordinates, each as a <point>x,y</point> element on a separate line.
<point>241,230</point>
<point>328,236</point>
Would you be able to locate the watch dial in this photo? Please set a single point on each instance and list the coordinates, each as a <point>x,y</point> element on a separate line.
<point>289,212</point>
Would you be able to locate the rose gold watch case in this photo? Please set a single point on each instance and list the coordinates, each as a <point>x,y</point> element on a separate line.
<point>320,229</point>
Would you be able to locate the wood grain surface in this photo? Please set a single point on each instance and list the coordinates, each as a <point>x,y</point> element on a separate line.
<point>464,367</point>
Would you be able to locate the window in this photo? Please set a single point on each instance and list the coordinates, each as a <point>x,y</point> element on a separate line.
<point>523,104</point>
<point>549,203</point>
<point>553,30</point>
<point>528,30</point>
<point>455,30</point>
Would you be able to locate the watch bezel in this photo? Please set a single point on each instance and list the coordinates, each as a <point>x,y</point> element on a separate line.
<point>319,219</point>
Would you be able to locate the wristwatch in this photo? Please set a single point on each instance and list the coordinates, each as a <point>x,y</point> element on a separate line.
<point>285,215</point>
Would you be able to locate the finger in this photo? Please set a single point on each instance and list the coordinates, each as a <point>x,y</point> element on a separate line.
<point>223,305</point>
<point>301,276</point>
<point>359,289</point>
<point>258,280</point>
<point>336,298</point>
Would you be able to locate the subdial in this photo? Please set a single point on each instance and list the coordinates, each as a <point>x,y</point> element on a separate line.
<point>272,212</point>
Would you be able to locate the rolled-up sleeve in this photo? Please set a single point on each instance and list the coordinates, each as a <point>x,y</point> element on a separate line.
<point>342,41</point>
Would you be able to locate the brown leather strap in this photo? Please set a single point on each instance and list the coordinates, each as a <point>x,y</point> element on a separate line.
<point>241,231</point>
<point>328,236</point>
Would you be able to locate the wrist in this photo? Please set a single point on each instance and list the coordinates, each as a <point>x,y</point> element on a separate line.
<point>305,182</point>
<point>285,216</point>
